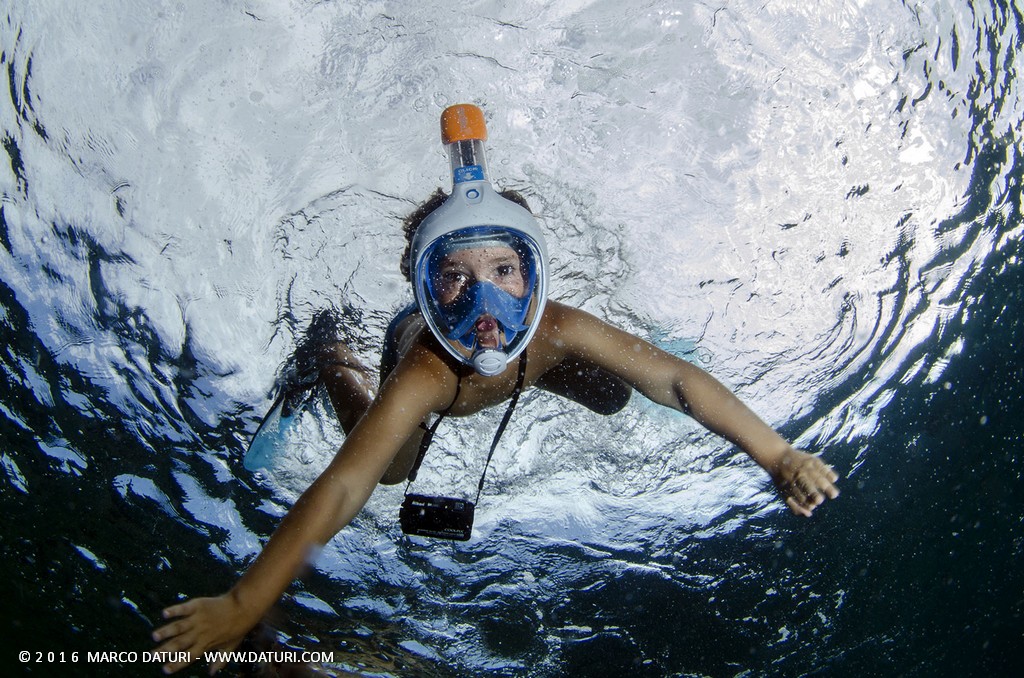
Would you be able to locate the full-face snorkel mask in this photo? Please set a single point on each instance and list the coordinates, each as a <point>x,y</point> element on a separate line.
<point>478,262</point>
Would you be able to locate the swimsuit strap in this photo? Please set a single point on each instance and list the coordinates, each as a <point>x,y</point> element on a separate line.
<point>428,437</point>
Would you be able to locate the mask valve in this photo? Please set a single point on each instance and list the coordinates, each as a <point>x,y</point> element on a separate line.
<point>490,362</point>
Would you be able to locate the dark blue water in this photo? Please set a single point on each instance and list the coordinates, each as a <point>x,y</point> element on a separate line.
<point>120,441</point>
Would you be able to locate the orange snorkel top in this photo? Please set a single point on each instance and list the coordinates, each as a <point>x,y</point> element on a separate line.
<point>463,122</point>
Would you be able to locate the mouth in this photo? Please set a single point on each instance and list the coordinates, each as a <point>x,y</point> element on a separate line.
<point>487,332</point>
<point>486,323</point>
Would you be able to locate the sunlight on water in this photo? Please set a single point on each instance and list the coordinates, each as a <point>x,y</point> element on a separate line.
<point>797,196</point>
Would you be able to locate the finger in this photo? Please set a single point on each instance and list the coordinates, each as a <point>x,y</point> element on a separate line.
<point>179,610</point>
<point>825,477</point>
<point>177,644</point>
<point>805,492</point>
<point>170,630</point>
<point>819,481</point>
<point>826,469</point>
<point>798,508</point>
<point>824,483</point>
<point>792,494</point>
<point>811,484</point>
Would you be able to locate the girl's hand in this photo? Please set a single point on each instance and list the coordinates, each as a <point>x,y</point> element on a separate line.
<point>202,624</point>
<point>804,481</point>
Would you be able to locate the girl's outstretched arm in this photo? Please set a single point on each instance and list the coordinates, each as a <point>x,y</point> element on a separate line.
<point>412,391</point>
<point>803,480</point>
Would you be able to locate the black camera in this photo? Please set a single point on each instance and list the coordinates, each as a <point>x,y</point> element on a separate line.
<point>439,517</point>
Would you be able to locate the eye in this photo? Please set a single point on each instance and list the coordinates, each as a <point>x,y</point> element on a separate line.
<point>505,270</point>
<point>454,279</point>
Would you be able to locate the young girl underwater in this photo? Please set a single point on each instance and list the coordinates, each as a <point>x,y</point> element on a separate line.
<point>480,332</point>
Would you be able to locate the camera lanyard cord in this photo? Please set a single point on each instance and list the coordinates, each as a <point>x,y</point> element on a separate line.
<point>428,437</point>
<point>504,421</point>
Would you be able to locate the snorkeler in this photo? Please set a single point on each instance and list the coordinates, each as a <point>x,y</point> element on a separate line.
<point>480,332</point>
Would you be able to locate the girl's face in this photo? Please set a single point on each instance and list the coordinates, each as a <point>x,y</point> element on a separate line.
<point>461,269</point>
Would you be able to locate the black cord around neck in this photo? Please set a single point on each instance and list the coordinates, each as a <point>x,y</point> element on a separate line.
<point>428,437</point>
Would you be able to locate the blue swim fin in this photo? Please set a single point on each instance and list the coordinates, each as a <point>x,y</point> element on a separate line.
<point>272,437</point>
<point>269,440</point>
<point>298,388</point>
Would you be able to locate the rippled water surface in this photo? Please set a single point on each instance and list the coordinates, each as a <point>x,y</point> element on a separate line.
<point>820,203</point>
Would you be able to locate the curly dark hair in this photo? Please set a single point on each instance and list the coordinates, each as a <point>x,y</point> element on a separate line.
<point>413,221</point>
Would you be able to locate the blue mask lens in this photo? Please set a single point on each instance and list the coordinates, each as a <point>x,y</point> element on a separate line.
<point>485,298</point>
<point>456,321</point>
